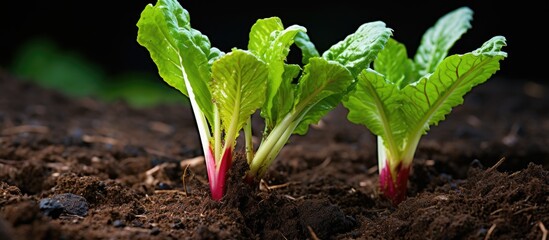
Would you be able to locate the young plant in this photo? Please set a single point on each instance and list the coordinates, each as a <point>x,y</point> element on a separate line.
<point>226,89</point>
<point>401,98</point>
<point>291,106</point>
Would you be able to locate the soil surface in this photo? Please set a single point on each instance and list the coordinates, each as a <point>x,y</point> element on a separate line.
<point>83,169</point>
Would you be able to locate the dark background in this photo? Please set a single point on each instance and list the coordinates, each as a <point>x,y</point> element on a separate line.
<point>104,32</point>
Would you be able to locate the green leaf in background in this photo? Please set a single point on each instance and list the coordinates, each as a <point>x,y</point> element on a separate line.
<point>400,115</point>
<point>434,96</point>
<point>438,40</point>
<point>140,90</point>
<point>238,89</point>
<point>359,49</point>
<point>182,54</point>
<point>308,49</point>
<point>41,61</point>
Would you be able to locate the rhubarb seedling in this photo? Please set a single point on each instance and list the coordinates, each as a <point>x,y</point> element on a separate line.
<point>225,90</point>
<point>401,98</point>
<point>291,106</point>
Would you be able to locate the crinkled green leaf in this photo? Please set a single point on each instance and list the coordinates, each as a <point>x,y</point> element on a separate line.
<point>359,49</point>
<point>393,63</point>
<point>438,40</point>
<point>308,49</point>
<point>260,35</point>
<point>375,103</point>
<point>434,96</point>
<point>273,48</point>
<point>182,54</point>
<point>319,90</point>
<point>238,88</point>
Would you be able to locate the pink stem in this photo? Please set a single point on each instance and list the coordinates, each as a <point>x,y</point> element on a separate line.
<point>394,190</point>
<point>217,178</point>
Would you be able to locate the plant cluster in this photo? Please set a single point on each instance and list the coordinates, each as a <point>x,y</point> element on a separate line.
<point>397,98</point>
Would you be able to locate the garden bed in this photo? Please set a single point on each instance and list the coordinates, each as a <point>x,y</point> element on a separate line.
<point>481,174</point>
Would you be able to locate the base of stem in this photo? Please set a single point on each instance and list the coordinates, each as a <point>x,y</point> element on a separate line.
<point>394,188</point>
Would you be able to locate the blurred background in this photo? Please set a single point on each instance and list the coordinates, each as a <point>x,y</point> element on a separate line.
<point>90,47</point>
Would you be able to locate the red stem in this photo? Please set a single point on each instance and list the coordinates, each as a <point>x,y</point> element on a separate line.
<point>395,190</point>
<point>217,178</point>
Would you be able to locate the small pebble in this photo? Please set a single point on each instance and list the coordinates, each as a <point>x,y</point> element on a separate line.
<point>155,231</point>
<point>476,164</point>
<point>64,203</point>
<point>163,186</point>
<point>118,224</point>
<point>51,208</point>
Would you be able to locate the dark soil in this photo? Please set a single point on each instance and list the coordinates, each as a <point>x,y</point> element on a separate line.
<point>82,169</point>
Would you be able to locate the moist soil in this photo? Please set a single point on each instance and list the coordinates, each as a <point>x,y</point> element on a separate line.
<point>84,169</point>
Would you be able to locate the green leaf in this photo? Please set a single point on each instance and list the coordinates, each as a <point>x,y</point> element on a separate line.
<point>43,62</point>
<point>182,54</point>
<point>434,96</point>
<point>308,49</point>
<point>319,90</point>
<point>375,103</point>
<point>284,98</point>
<point>238,89</point>
<point>260,34</point>
<point>272,45</point>
<point>438,40</point>
<point>394,64</point>
<point>359,49</point>
<point>317,111</point>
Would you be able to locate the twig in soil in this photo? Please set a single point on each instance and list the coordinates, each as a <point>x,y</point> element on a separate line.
<point>496,212</point>
<point>514,174</point>
<point>490,231</point>
<point>183,179</point>
<point>313,234</point>
<point>293,198</point>
<point>161,127</point>
<point>135,229</point>
<point>496,165</point>
<point>99,139</point>
<point>193,162</point>
<point>25,129</point>
<point>525,210</point>
<point>70,216</point>
<point>148,198</point>
<point>170,191</point>
<point>543,230</point>
<point>372,170</point>
<point>264,187</point>
<point>149,173</point>
<point>325,163</point>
